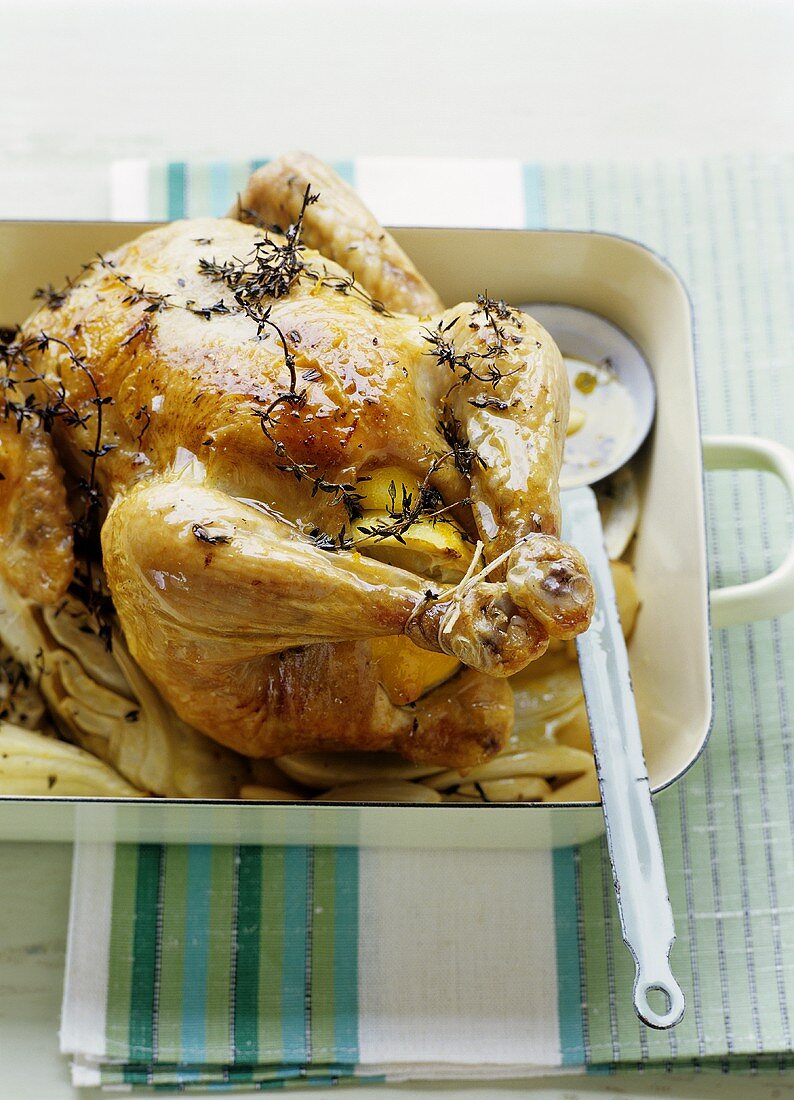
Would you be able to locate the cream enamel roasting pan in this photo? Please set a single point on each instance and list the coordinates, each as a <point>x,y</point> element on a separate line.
<point>634,289</point>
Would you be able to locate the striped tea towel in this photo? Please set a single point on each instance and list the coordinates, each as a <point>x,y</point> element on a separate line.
<point>237,968</point>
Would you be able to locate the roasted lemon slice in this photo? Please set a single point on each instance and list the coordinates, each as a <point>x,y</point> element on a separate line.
<point>434,548</point>
<point>382,487</point>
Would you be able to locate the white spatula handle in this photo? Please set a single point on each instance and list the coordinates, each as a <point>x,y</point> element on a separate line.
<point>646,918</point>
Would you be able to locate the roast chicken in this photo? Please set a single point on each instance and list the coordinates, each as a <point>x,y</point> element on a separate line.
<point>325,506</point>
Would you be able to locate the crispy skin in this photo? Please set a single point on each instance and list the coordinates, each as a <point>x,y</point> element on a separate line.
<point>35,532</point>
<point>253,633</point>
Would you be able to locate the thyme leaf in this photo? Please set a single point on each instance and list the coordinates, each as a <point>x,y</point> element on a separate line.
<point>331,543</point>
<point>485,401</point>
<point>464,456</point>
<point>53,298</point>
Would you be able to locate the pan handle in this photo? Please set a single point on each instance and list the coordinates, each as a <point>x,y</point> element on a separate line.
<point>772,595</point>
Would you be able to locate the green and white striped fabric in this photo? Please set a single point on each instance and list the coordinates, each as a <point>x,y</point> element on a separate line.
<point>214,967</point>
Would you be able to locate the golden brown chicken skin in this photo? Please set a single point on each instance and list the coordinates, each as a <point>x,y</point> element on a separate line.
<point>216,396</point>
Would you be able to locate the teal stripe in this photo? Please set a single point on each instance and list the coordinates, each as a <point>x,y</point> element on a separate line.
<point>347,170</point>
<point>141,1033</point>
<point>346,955</point>
<point>194,989</point>
<point>569,967</point>
<point>220,188</point>
<point>246,978</point>
<point>293,980</point>
<point>177,190</point>
<point>534,197</point>
<point>255,165</point>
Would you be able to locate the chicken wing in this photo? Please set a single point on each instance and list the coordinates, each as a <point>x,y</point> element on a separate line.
<point>340,227</point>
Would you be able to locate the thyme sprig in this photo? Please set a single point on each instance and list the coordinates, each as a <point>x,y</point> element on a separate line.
<point>467,365</point>
<point>275,268</point>
<point>427,503</point>
<point>16,351</point>
<point>272,268</point>
<point>275,265</point>
<point>345,285</point>
<point>463,454</point>
<point>482,366</point>
<point>264,321</point>
<point>85,526</point>
<point>56,407</point>
<point>22,402</point>
<point>52,297</point>
<point>331,543</point>
<point>444,351</point>
<point>496,310</point>
<point>156,302</point>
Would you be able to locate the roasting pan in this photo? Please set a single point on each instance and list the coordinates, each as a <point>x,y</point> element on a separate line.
<point>671,665</point>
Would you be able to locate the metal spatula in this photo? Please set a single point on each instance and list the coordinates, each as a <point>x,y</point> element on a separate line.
<point>646,918</point>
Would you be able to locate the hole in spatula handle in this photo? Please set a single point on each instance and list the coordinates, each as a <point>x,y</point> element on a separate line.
<point>659,1002</point>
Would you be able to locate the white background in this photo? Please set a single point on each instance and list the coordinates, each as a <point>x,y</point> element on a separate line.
<point>86,81</point>
<point>83,83</point>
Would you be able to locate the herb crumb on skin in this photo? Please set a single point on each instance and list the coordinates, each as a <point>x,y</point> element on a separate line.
<point>203,534</point>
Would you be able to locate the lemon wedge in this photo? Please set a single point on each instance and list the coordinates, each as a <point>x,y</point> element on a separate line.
<point>433,548</point>
<point>406,671</point>
<point>376,492</point>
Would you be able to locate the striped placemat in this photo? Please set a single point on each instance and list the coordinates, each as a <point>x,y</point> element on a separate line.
<point>235,966</point>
